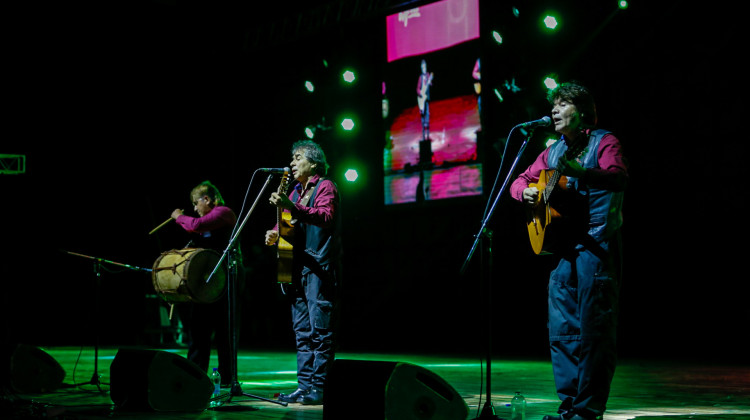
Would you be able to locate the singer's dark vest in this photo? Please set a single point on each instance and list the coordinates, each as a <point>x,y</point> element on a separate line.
<point>604,215</point>
<point>315,247</point>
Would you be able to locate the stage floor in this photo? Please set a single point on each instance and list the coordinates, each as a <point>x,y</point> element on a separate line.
<point>642,389</point>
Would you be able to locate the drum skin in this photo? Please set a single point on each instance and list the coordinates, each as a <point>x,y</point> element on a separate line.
<point>180,275</point>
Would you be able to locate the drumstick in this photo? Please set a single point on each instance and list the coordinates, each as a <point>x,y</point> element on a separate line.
<point>160,226</point>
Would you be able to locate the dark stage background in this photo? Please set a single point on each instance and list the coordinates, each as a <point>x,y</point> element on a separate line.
<point>121,108</point>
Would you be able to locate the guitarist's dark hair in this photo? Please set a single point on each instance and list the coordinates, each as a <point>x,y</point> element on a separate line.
<point>314,153</point>
<point>579,96</point>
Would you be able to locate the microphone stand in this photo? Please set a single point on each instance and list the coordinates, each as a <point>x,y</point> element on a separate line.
<point>95,378</point>
<point>231,253</point>
<point>485,237</point>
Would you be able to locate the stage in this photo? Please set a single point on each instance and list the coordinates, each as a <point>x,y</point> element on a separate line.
<point>642,389</point>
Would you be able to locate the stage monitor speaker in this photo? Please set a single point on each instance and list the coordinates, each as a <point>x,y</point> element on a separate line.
<point>33,371</point>
<point>158,380</point>
<point>369,390</point>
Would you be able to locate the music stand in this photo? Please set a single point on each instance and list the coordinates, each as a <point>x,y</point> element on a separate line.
<point>485,234</point>
<point>95,378</point>
<point>231,253</point>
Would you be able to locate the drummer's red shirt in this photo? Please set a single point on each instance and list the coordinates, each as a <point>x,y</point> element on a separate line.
<point>217,218</point>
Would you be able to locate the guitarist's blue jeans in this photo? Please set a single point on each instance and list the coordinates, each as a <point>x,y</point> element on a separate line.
<point>312,312</point>
<point>583,308</point>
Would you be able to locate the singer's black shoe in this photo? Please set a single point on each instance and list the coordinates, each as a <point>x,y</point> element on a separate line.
<point>294,397</point>
<point>313,397</point>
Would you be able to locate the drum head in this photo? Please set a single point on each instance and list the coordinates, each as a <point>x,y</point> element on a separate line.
<point>200,266</point>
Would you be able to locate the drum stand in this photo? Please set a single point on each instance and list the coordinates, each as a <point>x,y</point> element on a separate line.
<point>95,378</point>
<point>231,254</point>
<point>485,237</point>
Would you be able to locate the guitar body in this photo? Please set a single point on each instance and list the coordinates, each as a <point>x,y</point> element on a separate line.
<point>284,245</point>
<point>542,214</point>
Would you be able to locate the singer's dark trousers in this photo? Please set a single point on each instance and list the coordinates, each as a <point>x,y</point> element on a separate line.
<point>312,319</point>
<point>583,309</point>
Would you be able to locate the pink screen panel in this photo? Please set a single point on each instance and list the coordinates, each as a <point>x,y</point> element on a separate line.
<point>432,27</point>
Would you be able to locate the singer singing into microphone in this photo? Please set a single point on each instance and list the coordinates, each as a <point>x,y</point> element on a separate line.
<point>584,287</point>
<point>212,229</point>
<point>314,207</point>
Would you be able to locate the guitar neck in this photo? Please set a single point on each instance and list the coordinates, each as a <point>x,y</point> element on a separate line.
<point>555,176</point>
<point>551,183</point>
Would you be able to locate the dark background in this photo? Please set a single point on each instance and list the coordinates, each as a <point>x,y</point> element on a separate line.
<point>121,108</point>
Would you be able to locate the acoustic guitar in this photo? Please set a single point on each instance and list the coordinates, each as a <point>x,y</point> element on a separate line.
<point>541,215</point>
<point>286,234</point>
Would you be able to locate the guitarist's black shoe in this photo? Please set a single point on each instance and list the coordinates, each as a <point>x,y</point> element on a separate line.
<point>295,397</point>
<point>314,397</point>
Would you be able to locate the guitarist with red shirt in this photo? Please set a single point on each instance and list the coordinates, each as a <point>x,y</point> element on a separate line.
<point>584,287</point>
<point>314,212</point>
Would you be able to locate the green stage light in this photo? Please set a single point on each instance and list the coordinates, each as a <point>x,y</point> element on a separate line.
<point>499,96</point>
<point>351,175</point>
<point>347,124</point>
<point>622,4</point>
<point>497,37</point>
<point>309,86</point>
<point>309,132</point>
<point>348,76</point>
<point>550,82</point>
<point>550,22</point>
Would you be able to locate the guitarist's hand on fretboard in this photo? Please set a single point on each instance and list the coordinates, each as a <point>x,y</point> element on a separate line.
<point>570,167</point>
<point>281,201</point>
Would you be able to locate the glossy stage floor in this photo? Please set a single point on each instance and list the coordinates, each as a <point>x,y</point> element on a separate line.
<point>642,389</point>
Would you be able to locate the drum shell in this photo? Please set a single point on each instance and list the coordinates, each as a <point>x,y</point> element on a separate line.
<point>180,275</point>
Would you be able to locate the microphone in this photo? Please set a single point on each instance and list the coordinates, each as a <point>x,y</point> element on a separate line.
<point>542,122</point>
<point>276,170</point>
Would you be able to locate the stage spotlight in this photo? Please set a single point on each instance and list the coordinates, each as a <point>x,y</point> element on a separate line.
<point>550,22</point>
<point>497,37</point>
<point>348,76</point>
<point>309,86</point>
<point>347,124</point>
<point>550,82</point>
<point>351,175</point>
<point>622,4</point>
<point>310,131</point>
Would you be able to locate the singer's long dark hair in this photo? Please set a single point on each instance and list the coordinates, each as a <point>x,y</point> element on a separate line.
<point>579,96</point>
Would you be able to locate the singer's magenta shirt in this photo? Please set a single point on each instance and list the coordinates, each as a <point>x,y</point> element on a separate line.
<point>326,203</point>
<point>611,174</point>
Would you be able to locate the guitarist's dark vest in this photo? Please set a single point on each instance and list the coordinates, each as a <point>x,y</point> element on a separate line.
<point>598,210</point>
<point>315,247</point>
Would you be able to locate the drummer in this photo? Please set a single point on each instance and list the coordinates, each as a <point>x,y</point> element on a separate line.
<point>211,230</point>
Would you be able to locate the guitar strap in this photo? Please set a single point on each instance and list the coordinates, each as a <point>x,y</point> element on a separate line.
<point>305,199</point>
